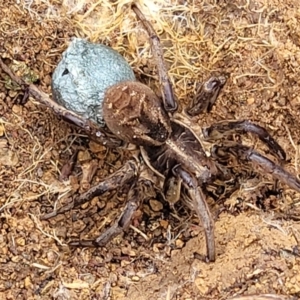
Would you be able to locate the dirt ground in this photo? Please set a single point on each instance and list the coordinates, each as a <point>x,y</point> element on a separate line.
<point>256,44</point>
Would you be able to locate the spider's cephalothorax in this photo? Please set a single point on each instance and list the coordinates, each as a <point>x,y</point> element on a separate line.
<point>134,114</point>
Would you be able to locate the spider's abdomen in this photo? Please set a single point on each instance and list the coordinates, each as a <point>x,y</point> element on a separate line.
<point>135,114</point>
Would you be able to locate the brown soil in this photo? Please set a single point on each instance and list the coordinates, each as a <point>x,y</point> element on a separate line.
<point>257,45</point>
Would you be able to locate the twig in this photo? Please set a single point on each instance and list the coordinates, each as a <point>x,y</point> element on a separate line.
<point>139,232</point>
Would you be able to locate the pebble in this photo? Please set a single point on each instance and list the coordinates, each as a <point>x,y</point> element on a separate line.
<point>89,278</point>
<point>157,247</point>
<point>83,156</point>
<point>20,241</point>
<point>61,232</point>
<point>128,251</point>
<point>164,224</point>
<point>4,250</point>
<point>96,147</point>
<point>250,101</point>
<point>179,243</point>
<point>15,259</point>
<point>135,278</point>
<point>51,256</point>
<point>8,157</point>
<point>27,282</point>
<point>157,232</point>
<point>155,205</point>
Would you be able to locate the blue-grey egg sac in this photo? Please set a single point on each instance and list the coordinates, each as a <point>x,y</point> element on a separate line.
<point>82,76</point>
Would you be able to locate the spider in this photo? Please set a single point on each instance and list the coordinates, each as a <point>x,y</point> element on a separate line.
<point>168,146</point>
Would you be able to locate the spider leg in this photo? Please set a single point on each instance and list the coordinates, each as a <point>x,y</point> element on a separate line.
<point>246,153</point>
<point>119,226</point>
<point>169,99</point>
<point>198,203</point>
<point>125,175</point>
<point>224,128</point>
<point>95,131</point>
<point>140,190</point>
<point>206,95</point>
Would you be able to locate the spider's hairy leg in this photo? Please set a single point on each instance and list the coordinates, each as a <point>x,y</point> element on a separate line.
<point>169,99</point>
<point>198,203</point>
<point>125,175</point>
<point>134,200</point>
<point>95,131</point>
<point>225,128</point>
<point>246,153</point>
<point>143,188</point>
<point>206,95</point>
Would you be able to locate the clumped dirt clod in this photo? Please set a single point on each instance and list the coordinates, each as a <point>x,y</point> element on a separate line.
<point>256,43</point>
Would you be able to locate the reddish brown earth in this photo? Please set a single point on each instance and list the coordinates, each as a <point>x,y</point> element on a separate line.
<point>257,45</point>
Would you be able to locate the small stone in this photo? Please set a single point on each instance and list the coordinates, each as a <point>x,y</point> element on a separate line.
<point>100,203</point>
<point>83,156</point>
<point>55,154</point>
<point>2,96</point>
<point>179,243</point>
<point>85,205</point>
<point>135,278</point>
<point>20,241</point>
<point>4,250</point>
<point>282,101</point>
<point>125,263</point>
<point>79,226</point>
<point>157,232</point>
<point>96,147</point>
<point>51,256</point>
<point>157,247</point>
<point>15,259</point>
<point>27,282</point>
<point>8,157</point>
<point>89,278</point>
<point>164,224</point>
<point>128,251</point>
<point>202,286</point>
<point>155,205</point>
<point>12,94</point>
<point>250,101</point>
<point>40,172</point>
<point>61,232</point>
<point>154,226</point>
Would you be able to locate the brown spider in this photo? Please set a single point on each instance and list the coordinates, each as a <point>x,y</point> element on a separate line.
<point>133,113</point>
